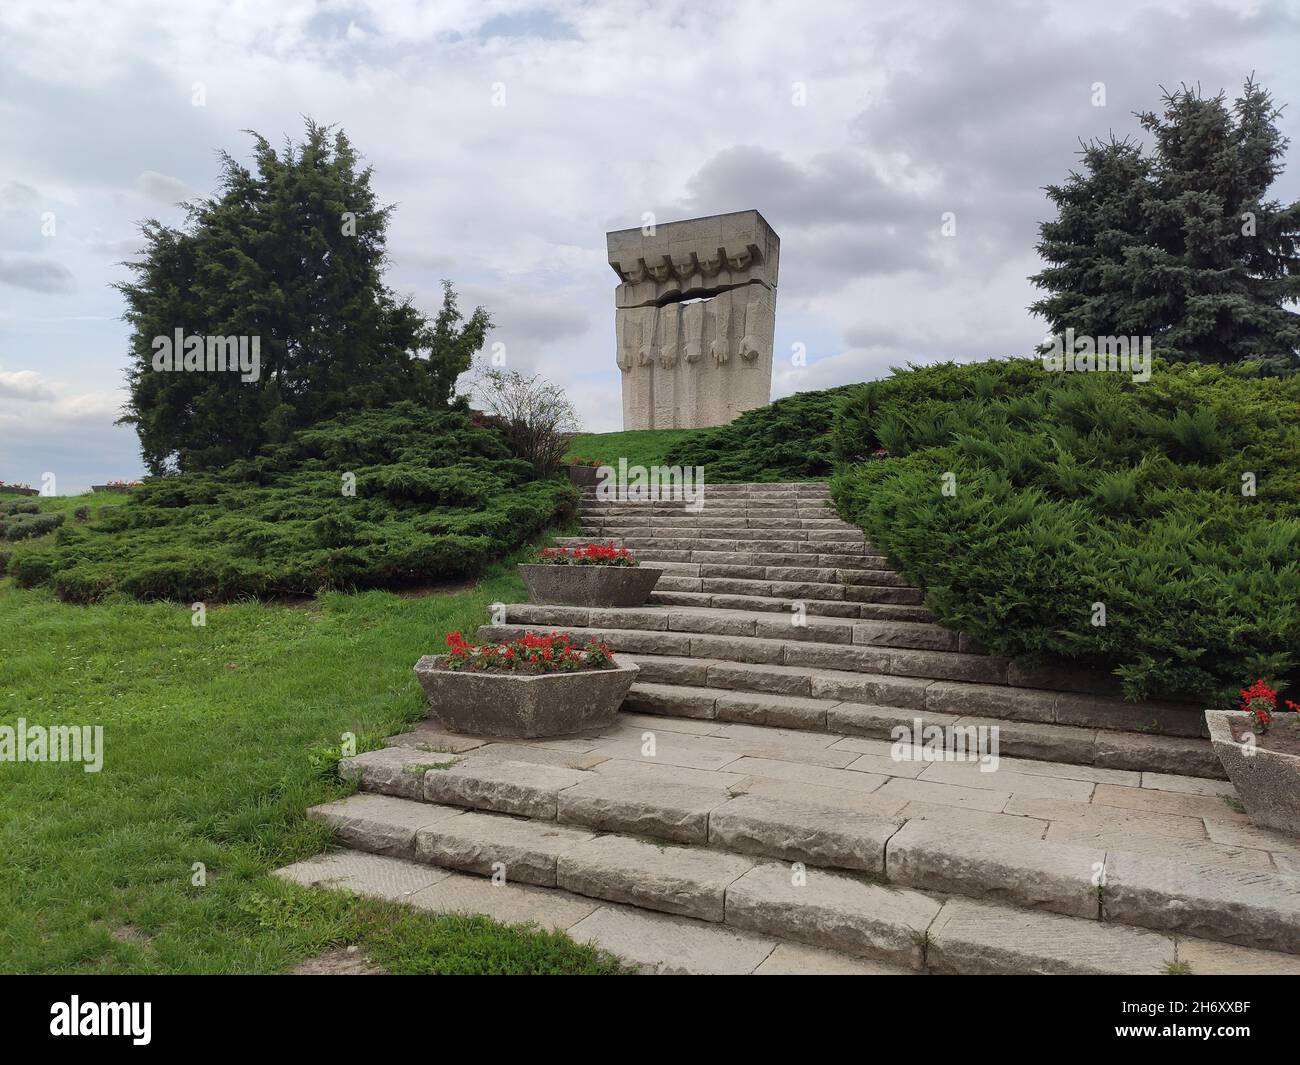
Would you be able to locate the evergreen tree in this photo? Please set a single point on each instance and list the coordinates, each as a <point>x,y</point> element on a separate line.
<point>1180,244</point>
<point>291,252</point>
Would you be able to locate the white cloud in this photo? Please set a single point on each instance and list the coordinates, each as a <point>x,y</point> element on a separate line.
<point>612,109</point>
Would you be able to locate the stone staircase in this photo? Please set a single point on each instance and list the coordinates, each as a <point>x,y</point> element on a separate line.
<point>749,813</point>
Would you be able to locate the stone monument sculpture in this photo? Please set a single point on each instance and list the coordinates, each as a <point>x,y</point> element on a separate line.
<point>694,314</point>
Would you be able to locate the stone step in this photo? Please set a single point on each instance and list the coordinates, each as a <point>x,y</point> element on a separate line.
<point>665,542</point>
<point>1000,702</point>
<point>916,859</point>
<point>784,534</point>
<point>806,648</point>
<point>645,512</point>
<point>722,622</point>
<point>843,563</point>
<point>799,573</point>
<point>711,521</point>
<point>847,608</point>
<point>795,589</point>
<point>814,489</point>
<point>1068,744</point>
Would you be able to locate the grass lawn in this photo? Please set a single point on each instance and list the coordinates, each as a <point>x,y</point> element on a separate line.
<point>641,447</point>
<point>216,740</point>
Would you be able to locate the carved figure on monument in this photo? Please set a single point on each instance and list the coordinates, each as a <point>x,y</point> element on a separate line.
<point>704,284</point>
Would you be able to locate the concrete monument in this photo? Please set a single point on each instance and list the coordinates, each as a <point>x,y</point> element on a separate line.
<point>694,314</point>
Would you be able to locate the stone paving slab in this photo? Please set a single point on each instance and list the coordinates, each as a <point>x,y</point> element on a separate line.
<point>795,959</point>
<point>946,794</point>
<point>1207,958</point>
<point>622,803</point>
<point>510,787</point>
<point>688,881</point>
<point>833,910</point>
<point>975,820</point>
<point>1249,907</point>
<point>1189,785</point>
<point>380,824</point>
<point>935,856</point>
<point>839,798</point>
<point>366,874</point>
<point>802,832</point>
<point>1169,802</point>
<point>1001,779</point>
<point>393,770</point>
<point>663,945</point>
<point>1186,850</point>
<point>507,902</point>
<point>970,936</point>
<point>494,843</point>
<point>1100,818</point>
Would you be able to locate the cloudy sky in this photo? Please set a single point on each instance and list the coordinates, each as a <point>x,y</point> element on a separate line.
<point>851,126</point>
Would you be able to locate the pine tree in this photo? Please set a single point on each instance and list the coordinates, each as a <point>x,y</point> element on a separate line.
<point>291,252</point>
<point>1181,244</point>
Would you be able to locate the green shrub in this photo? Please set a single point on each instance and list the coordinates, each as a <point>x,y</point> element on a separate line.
<point>436,498</point>
<point>785,441</point>
<point>26,525</point>
<point>1076,489</point>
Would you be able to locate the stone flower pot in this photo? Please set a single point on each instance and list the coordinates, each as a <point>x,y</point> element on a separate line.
<point>588,585</point>
<point>524,705</point>
<point>14,490</point>
<point>582,475</point>
<point>1267,782</point>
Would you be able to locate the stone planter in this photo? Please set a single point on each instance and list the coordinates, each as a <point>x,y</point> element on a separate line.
<point>589,585</point>
<point>112,487</point>
<point>584,476</point>
<point>14,490</point>
<point>521,705</point>
<point>1267,782</point>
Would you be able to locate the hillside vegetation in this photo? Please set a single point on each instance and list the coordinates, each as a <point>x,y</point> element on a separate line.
<point>1174,506</point>
<point>788,440</point>
<point>380,498</point>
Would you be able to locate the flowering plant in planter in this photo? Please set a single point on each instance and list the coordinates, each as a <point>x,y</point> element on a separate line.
<point>591,555</point>
<point>1263,762</point>
<point>578,461</point>
<point>1260,702</point>
<point>554,652</point>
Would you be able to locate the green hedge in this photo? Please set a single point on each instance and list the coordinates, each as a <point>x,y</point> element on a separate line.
<point>788,440</point>
<point>1076,489</point>
<point>436,498</point>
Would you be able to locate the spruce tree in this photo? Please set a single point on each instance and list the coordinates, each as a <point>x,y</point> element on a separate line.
<point>1180,244</point>
<point>292,252</point>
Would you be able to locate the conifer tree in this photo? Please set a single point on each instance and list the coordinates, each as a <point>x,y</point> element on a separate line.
<point>292,252</point>
<point>1180,243</point>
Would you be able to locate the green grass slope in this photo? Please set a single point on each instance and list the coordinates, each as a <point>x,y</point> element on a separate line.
<point>216,740</point>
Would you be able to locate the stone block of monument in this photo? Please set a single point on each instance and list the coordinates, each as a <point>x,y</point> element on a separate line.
<point>694,316</point>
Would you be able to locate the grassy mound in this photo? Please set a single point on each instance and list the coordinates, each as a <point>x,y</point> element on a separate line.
<point>435,498</point>
<point>641,447</point>
<point>785,441</point>
<point>1025,504</point>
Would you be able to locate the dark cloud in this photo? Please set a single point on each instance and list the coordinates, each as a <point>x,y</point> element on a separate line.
<point>35,274</point>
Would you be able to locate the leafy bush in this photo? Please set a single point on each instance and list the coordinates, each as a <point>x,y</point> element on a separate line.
<point>1074,490</point>
<point>785,441</point>
<point>26,525</point>
<point>435,498</point>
